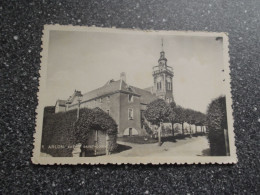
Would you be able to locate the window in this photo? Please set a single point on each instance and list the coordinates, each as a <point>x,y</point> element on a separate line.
<point>142,118</point>
<point>100,100</point>
<point>130,98</point>
<point>169,85</point>
<point>108,112</point>
<point>130,114</point>
<point>108,98</point>
<point>159,85</point>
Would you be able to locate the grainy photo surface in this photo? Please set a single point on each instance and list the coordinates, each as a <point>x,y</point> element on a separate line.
<point>131,96</point>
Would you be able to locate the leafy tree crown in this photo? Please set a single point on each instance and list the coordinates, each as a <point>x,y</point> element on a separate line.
<point>157,111</point>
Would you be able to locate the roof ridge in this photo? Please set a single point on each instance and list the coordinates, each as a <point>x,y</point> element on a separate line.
<point>106,85</point>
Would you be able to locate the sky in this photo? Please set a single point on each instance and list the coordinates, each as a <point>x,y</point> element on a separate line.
<point>87,60</point>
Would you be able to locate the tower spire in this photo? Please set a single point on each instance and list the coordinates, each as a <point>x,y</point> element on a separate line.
<point>162,54</point>
<point>162,44</point>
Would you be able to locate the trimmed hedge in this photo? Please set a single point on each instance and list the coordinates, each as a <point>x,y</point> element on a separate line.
<point>217,122</point>
<point>58,132</point>
<point>61,131</point>
<point>94,119</point>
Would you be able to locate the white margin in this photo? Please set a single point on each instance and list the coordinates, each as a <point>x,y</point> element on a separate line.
<point>37,159</point>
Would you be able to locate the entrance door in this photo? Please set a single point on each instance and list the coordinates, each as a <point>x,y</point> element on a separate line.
<point>130,131</point>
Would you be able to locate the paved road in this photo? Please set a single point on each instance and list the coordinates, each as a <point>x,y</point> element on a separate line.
<point>195,146</point>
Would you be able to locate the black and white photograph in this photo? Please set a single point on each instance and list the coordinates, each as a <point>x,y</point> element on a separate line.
<point>118,96</point>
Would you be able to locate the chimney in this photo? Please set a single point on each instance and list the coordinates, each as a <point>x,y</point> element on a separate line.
<point>123,76</point>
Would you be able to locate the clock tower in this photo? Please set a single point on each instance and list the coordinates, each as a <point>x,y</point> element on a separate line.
<point>163,74</point>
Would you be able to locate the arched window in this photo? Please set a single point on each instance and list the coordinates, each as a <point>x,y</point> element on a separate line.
<point>159,85</point>
<point>169,83</point>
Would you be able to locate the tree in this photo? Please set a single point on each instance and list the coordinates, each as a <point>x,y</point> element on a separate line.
<point>172,115</point>
<point>157,112</point>
<point>93,119</point>
<point>188,113</point>
<point>179,116</point>
<point>217,122</point>
<point>199,119</point>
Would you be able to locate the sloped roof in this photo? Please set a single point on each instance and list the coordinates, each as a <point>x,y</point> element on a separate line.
<point>113,86</point>
<point>110,87</point>
<point>146,96</point>
<point>74,95</point>
<point>150,89</point>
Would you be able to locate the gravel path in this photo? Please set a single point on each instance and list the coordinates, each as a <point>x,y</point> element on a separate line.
<point>195,146</point>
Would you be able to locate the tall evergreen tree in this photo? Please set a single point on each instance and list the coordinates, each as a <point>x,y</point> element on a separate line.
<point>217,122</point>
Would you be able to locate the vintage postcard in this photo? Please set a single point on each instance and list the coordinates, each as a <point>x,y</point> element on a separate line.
<point>124,96</point>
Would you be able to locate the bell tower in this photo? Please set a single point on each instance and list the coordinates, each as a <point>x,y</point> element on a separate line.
<point>163,74</point>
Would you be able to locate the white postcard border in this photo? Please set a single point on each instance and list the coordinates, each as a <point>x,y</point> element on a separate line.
<point>37,159</point>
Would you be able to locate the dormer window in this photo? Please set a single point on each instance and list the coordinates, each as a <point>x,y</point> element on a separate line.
<point>108,98</point>
<point>130,98</point>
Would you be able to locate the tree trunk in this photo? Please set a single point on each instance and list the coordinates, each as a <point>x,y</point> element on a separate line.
<point>196,128</point>
<point>172,130</point>
<point>159,134</point>
<point>190,130</point>
<point>182,128</point>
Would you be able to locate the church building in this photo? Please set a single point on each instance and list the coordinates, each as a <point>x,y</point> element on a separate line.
<point>123,102</point>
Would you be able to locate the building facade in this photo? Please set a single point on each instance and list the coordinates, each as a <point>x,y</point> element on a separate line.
<point>123,102</point>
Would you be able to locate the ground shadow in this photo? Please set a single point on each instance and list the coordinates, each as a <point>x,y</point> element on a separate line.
<point>205,152</point>
<point>138,139</point>
<point>175,138</point>
<point>121,148</point>
<point>198,134</point>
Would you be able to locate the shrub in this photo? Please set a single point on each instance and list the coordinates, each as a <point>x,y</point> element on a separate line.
<point>94,119</point>
<point>49,110</point>
<point>63,129</point>
<point>217,122</point>
<point>58,131</point>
